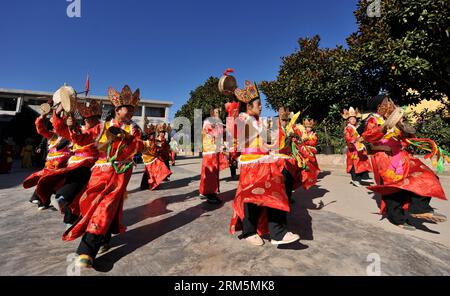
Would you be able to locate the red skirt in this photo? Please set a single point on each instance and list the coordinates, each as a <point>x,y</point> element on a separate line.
<point>309,177</point>
<point>418,178</point>
<point>48,181</point>
<point>101,204</point>
<point>361,162</point>
<point>155,172</point>
<point>211,165</point>
<point>260,183</point>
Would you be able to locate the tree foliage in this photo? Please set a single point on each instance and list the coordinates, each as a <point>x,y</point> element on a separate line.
<point>204,97</point>
<point>313,79</point>
<point>406,47</point>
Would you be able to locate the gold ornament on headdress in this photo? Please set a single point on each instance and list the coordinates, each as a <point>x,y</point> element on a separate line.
<point>309,123</point>
<point>89,109</point>
<point>351,112</point>
<point>249,93</point>
<point>124,98</point>
<point>386,107</point>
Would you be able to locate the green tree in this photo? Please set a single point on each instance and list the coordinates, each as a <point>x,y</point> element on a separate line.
<point>314,79</point>
<point>406,47</point>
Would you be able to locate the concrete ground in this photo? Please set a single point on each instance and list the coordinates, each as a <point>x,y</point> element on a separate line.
<point>172,232</point>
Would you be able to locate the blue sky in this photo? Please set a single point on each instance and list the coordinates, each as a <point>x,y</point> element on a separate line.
<point>166,48</point>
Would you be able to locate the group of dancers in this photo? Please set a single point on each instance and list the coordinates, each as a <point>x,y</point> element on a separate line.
<point>89,165</point>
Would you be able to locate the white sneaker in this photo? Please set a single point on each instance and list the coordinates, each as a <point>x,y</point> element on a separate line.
<point>367,180</point>
<point>356,183</point>
<point>255,240</point>
<point>59,203</point>
<point>287,239</point>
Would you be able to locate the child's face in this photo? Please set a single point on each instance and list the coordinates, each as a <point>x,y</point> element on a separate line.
<point>352,120</point>
<point>254,108</point>
<point>215,113</point>
<point>124,113</point>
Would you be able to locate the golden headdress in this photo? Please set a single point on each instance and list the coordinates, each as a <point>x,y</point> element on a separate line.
<point>309,122</point>
<point>89,109</point>
<point>248,94</point>
<point>351,112</point>
<point>125,98</point>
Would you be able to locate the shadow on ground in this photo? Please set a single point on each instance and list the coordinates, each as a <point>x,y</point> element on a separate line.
<point>134,239</point>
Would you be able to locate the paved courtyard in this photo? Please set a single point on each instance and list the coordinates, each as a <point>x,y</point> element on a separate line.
<point>172,232</point>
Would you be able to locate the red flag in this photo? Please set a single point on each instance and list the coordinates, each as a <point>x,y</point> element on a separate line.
<point>87,85</point>
<point>228,71</point>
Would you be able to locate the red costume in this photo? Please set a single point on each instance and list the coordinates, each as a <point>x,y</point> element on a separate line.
<point>307,149</point>
<point>356,151</point>
<point>213,160</point>
<point>101,204</point>
<point>163,148</point>
<point>395,168</point>
<point>232,109</point>
<point>56,160</point>
<point>156,170</point>
<point>261,191</point>
<point>261,181</point>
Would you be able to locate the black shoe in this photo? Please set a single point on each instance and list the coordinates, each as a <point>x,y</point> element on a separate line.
<point>213,199</point>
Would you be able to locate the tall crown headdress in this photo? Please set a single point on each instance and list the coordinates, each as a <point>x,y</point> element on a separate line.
<point>89,109</point>
<point>351,112</point>
<point>249,93</point>
<point>124,98</point>
<point>309,122</point>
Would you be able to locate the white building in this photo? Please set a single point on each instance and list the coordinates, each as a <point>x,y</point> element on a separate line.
<point>17,106</point>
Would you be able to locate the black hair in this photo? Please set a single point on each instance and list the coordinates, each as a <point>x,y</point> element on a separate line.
<point>243,106</point>
<point>110,115</point>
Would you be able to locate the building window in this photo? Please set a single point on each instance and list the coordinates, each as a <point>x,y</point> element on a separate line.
<point>107,111</point>
<point>155,112</point>
<point>8,104</point>
<point>138,111</point>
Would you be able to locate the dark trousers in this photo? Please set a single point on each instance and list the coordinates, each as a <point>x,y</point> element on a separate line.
<point>34,197</point>
<point>277,221</point>
<point>289,184</point>
<point>360,176</point>
<point>40,203</point>
<point>167,163</point>
<point>90,243</point>
<point>395,202</point>
<point>233,171</point>
<point>76,180</point>
<point>144,181</point>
